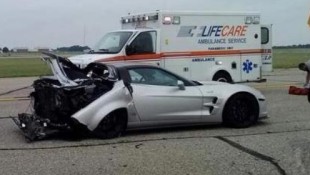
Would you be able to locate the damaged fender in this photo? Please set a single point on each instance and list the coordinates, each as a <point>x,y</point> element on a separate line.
<point>119,97</point>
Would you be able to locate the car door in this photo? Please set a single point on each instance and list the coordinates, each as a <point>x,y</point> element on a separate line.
<point>158,98</point>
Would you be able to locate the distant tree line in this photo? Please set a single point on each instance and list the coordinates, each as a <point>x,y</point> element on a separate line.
<point>293,46</point>
<point>5,50</point>
<point>75,48</point>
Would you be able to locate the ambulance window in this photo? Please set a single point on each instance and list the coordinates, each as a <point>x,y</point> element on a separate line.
<point>112,42</point>
<point>145,42</point>
<point>265,35</point>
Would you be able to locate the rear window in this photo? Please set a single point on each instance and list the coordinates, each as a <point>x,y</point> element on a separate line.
<point>265,35</point>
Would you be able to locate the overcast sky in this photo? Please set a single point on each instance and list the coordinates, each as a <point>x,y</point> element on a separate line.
<point>56,23</point>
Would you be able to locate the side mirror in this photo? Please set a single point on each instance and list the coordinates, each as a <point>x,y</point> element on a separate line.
<point>129,50</point>
<point>181,85</point>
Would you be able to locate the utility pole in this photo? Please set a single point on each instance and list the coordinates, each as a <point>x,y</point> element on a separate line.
<point>84,34</point>
<point>309,21</point>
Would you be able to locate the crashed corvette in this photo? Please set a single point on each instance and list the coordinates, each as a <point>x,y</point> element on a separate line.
<point>108,99</point>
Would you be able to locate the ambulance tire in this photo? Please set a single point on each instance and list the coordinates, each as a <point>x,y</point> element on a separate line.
<point>222,77</point>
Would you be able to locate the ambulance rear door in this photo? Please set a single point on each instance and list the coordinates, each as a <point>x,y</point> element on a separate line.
<point>266,41</point>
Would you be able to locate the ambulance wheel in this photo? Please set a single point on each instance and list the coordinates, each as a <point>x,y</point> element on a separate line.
<point>241,111</point>
<point>222,77</point>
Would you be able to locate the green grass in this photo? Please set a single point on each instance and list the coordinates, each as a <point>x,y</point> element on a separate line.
<point>24,65</point>
<point>289,58</point>
<point>30,64</point>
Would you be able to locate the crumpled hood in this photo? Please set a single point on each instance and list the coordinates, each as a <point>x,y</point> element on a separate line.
<point>88,58</point>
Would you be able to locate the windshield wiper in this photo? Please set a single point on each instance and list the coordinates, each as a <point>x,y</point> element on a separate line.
<point>102,51</point>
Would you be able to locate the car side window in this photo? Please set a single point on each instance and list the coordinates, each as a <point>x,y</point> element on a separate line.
<point>152,76</point>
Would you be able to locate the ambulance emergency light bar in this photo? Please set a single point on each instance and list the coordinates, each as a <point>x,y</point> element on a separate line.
<point>166,19</point>
<point>139,18</point>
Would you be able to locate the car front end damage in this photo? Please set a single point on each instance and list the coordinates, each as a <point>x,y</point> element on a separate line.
<point>53,105</point>
<point>56,99</point>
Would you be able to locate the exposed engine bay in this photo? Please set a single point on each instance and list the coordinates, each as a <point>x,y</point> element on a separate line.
<point>56,98</point>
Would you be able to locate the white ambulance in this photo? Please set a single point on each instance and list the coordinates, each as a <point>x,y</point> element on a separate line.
<point>220,46</point>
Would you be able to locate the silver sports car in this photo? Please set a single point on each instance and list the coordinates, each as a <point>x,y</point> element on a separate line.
<point>108,99</point>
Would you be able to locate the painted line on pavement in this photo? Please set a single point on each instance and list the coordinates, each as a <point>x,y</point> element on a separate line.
<point>7,99</point>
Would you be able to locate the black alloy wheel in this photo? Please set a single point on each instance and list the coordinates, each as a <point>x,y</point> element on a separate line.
<point>241,111</point>
<point>113,125</point>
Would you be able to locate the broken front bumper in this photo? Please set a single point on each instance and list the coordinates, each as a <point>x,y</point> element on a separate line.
<point>35,128</point>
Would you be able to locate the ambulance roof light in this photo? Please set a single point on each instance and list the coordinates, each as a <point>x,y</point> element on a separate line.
<point>252,20</point>
<point>167,20</point>
<point>248,20</point>
<point>176,20</point>
<point>256,20</point>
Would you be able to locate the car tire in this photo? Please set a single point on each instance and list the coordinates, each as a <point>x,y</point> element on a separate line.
<point>222,77</point>
<point>113,125</point>
<point>241,111</point>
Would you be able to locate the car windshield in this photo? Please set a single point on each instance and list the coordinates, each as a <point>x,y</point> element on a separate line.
<point>112,42</point>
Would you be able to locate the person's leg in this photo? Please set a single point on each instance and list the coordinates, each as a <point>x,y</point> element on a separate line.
<point>307,85</point>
